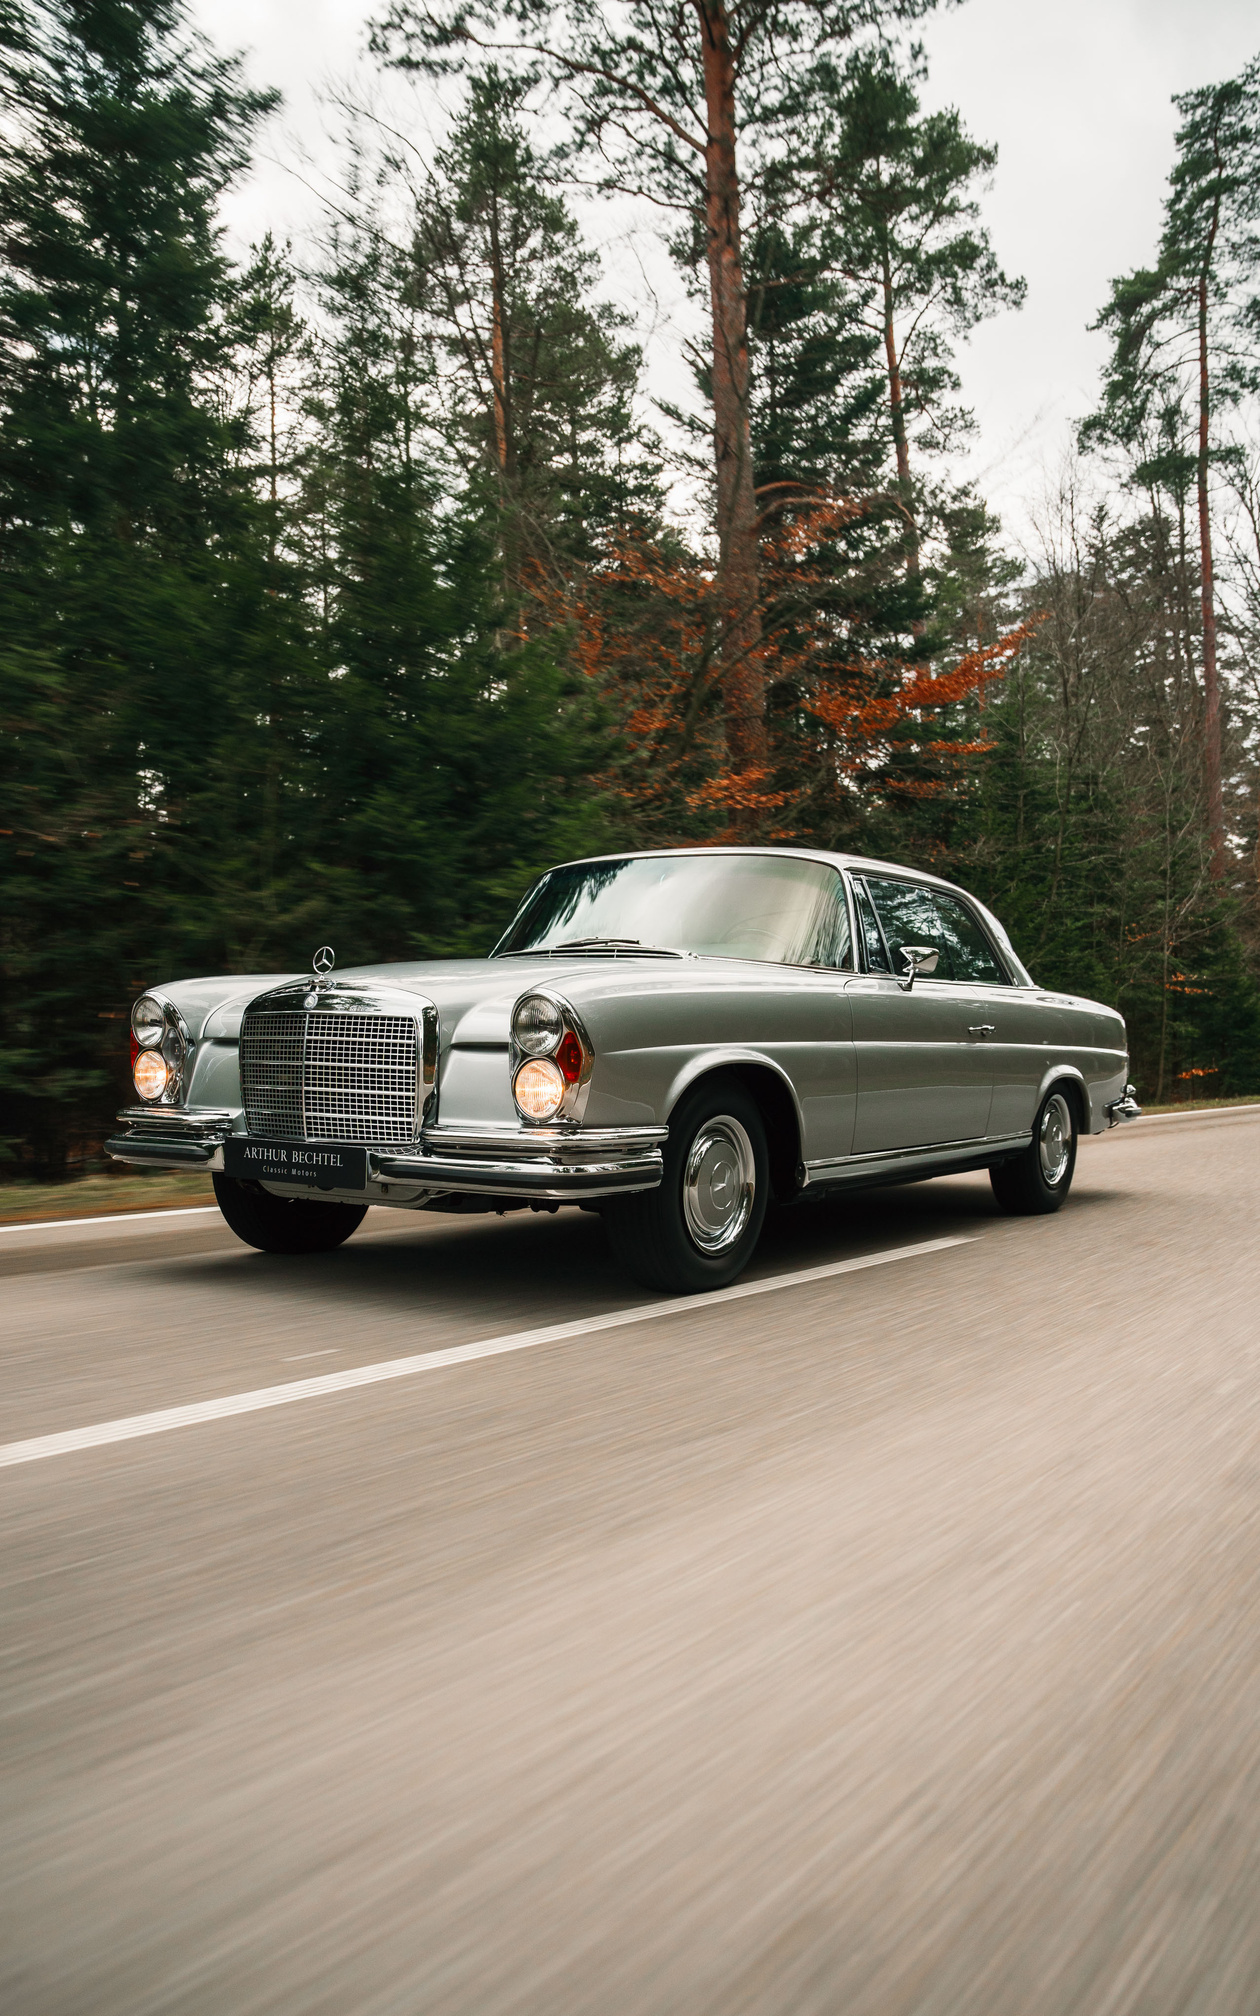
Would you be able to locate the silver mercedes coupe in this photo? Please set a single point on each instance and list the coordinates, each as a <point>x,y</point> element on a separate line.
<point>675,1040</point>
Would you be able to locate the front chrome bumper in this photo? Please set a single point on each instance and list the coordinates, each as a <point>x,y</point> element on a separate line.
<point>552,1164</point>
<point>164,1137</point>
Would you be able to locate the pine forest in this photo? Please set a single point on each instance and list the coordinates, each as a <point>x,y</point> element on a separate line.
<point>347,583</point>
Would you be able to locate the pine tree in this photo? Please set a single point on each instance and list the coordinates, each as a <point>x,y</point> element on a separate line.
<point>895,188</point>
<point>453,759</point>
<point>666,101</point>
<point>544,382</point>
<point>1181,345</point>
<point>122,511</point>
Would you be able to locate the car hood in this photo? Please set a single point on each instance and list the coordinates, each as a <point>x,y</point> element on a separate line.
<point>474,997</point>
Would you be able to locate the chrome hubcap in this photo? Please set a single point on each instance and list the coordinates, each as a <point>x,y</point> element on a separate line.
<point>1056,1139</point>
<point>719,1184</point>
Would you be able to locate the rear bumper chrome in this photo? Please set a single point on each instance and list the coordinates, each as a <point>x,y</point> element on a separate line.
<point>1126,1108</point>
<point>552,1164</point>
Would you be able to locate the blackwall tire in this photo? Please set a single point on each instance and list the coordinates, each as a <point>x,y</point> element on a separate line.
<point>700,1228</point>
<point>283,1224</point>
<point>1036,1182</point>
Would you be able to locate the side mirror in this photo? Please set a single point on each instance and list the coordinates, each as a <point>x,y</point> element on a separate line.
<point>919,959</point>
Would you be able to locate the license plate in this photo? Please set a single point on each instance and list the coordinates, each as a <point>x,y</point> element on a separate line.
<point>314,1166</point>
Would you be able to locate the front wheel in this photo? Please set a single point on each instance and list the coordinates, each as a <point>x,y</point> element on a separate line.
<point>284,1224</point>
<point>1038,1180</point>
<point>699,1229</point>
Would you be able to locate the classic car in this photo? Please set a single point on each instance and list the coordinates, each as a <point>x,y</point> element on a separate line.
<point>674,1039</point>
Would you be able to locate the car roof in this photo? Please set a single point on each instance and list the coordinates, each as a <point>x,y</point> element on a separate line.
<point>858,864</point>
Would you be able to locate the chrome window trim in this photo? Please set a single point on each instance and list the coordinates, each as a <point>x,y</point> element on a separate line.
<point>947,895</point>
<point>873,972</point>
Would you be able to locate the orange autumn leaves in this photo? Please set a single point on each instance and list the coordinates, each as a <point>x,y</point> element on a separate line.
<point>647,625</point>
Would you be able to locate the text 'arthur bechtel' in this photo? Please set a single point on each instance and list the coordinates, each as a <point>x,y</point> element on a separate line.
<point>301,1158</point>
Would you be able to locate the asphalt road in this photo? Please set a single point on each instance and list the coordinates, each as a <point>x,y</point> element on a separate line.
<point>885,1643</point>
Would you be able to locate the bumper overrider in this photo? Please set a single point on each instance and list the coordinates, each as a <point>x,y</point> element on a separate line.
<point>1125,1108</point>
<point>550,1164</point>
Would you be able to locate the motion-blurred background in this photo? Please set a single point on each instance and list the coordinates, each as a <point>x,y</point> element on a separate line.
<point>532,439</point>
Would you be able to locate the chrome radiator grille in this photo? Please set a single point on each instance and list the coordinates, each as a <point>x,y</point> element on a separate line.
<point>329,1077</point>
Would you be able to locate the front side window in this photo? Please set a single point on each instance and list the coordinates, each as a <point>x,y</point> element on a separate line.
<point>729,906</point>
<point>915,916</point>
<point>872,938</point>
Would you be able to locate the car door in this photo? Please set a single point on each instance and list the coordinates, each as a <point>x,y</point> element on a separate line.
<point>924,1073</point>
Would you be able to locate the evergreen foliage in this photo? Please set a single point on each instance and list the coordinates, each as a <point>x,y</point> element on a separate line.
<point>338,592</point>
<point>248,692</point>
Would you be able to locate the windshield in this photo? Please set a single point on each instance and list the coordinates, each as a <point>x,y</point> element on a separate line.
<point>731,906</point>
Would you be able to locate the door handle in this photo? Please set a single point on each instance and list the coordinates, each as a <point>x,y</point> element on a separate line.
<point>983,1029</point>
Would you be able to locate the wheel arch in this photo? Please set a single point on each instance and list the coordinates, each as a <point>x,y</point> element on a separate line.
<point>1066,1078</point>
<point>776,1101</point>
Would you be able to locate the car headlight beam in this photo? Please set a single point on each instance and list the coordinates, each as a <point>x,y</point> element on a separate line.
<point>151,1074</point>
<point>539,1088</point>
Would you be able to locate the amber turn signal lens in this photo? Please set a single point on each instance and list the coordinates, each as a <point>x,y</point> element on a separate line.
<point>150,1074</point>
<point>538,1088</point>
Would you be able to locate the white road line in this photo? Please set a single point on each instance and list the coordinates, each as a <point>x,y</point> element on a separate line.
<point>134,1425</point>
<point>112,1218</point>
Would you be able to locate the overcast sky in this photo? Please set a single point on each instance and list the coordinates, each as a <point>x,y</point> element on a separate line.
<point>1075,94</point>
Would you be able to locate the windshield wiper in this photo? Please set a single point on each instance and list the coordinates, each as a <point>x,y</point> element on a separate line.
<point>596,945</point>
<point>603,944</point>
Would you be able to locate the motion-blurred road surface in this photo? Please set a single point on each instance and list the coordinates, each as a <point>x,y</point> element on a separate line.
<point>883,1645</point>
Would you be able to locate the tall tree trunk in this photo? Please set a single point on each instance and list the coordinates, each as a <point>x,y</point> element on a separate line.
<point>1211,683</point>
<point>498,376</point>
<point>743,683</point>
<point>897,405</point>
<point>509,527</point>
<point>271,523</point>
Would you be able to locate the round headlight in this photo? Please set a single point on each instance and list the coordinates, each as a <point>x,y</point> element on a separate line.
<point>150,1074</point>
<point>538,1088</point>
<point>537,1025</point>
<point>147,1021</point>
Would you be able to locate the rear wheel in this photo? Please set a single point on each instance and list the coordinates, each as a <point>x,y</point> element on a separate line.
<point>699,1229</point>
<point>284,1224</point>
<point>1038,1180</point>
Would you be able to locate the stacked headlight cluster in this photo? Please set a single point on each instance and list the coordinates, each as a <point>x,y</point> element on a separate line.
<point>551,1057</point>
<point>158,1050</point>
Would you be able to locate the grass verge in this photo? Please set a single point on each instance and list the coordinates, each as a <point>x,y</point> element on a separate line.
<point>1199,1105</point>
<point>99,1196</point>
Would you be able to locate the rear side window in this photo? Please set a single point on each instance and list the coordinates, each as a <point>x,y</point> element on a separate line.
<point>915,916</point>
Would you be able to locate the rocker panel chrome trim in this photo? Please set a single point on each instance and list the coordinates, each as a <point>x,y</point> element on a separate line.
<point>907,1158</point>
